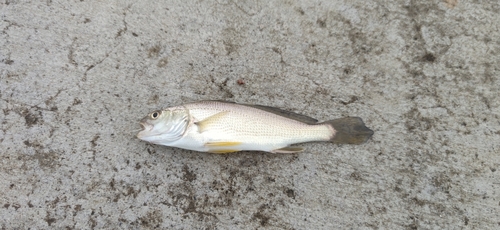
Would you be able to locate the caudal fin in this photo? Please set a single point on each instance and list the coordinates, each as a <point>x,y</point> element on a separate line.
<point>350,130</point>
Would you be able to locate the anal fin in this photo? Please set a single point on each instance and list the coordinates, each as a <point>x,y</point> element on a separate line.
<point>289,149</point>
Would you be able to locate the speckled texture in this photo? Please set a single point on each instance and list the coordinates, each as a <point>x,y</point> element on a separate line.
<point>76,76</point>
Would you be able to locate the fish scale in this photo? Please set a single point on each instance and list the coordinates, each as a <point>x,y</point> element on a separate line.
<point>261,124</point>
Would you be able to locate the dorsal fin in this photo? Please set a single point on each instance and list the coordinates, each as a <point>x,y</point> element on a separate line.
<point>284,113</point>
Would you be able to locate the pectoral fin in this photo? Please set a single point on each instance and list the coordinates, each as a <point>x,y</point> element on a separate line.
<point>289,149</point>
<point>204,124</point>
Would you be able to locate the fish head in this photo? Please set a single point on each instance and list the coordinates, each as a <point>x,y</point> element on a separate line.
<point>164,126</point>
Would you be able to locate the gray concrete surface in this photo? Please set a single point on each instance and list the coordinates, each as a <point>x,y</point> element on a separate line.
<point>76,76</point>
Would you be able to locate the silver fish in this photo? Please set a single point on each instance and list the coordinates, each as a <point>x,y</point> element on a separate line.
<point>224,127</point>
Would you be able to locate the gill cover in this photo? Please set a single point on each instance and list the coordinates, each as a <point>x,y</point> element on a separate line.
<point>164,127</point>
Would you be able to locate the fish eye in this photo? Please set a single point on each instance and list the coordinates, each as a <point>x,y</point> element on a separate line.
<point>155,114</point>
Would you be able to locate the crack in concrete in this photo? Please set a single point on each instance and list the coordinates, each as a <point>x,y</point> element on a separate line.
<point>118,35</point>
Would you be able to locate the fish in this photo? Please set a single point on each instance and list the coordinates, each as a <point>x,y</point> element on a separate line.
<point>225,127</point>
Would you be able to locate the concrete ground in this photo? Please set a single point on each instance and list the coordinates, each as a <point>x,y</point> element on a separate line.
<point>76,76</point>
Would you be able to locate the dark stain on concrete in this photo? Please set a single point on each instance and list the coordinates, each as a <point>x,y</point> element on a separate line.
<point>154,51</point>
<point>31,118</point>
<point>152,219</point>
<point>428,57</point>
<point>290,193</point>
<point>261,216</point>
<point>188,174</point>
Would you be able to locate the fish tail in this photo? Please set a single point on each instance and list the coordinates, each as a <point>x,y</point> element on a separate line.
<point>349,130</point>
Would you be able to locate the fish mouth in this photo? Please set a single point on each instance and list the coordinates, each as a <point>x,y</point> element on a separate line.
<point>145,129</point>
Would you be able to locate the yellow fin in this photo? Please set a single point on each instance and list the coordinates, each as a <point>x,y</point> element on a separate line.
<point>223,151</point>
<point>288,149</point>
<point>203,125</point>
<point>222,143</point>
<point>214,145</point>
